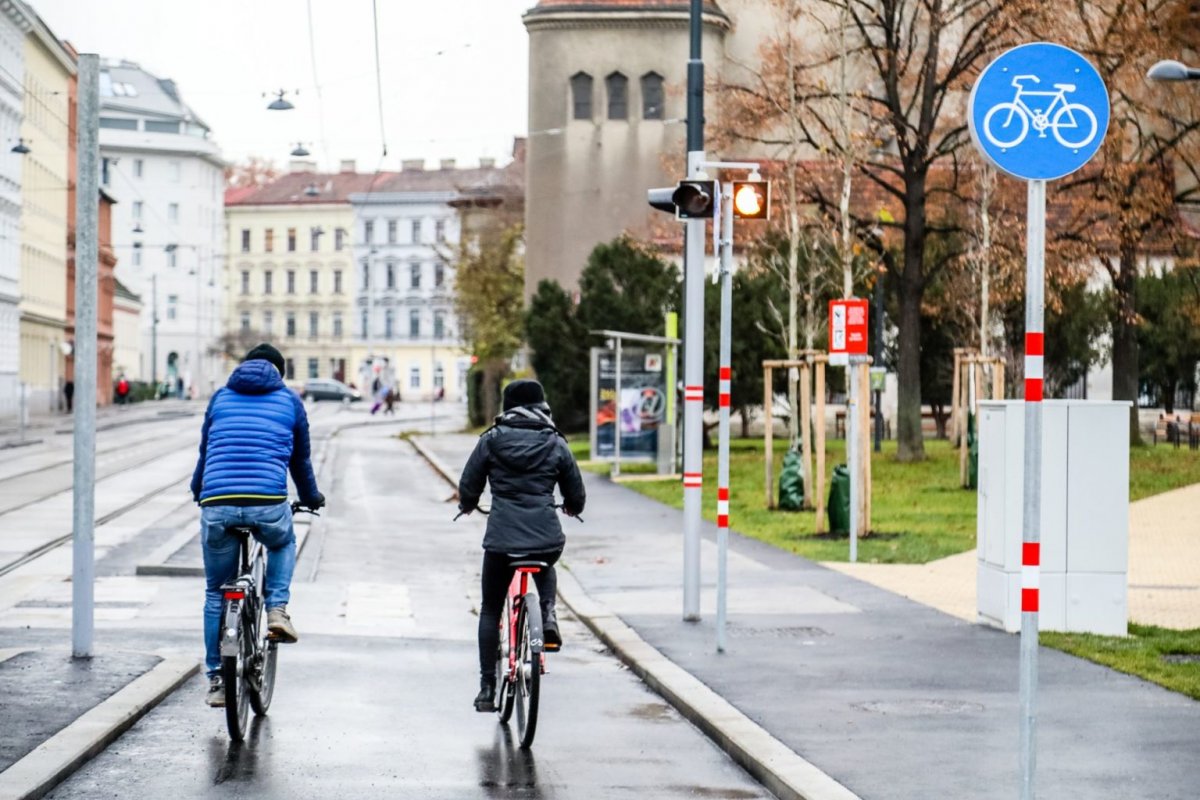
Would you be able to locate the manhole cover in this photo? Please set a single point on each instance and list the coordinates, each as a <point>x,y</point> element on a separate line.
<point>748,632</point>
<point>915,708</point>
<point>1182,658</point>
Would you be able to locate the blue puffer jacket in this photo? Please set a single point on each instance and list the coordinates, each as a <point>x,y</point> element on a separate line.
<point>255,430</point>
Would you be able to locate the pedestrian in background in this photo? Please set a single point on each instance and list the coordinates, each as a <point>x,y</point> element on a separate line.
<point>391,398</point>
<point>69,395</point>
<point>381,391</point>
<point>122,389</point>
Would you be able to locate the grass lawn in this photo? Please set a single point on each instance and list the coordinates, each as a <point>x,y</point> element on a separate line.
<point>1141,654</point>
<point>1154,469</point>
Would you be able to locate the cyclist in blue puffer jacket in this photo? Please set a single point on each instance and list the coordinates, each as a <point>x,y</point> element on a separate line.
<point>255,432</point>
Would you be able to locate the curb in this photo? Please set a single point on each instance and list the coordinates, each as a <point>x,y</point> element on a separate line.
<point>58,757</point>
<point>781,770</point>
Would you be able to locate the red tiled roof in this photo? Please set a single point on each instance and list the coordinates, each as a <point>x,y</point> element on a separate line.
<point>291,189</point>
<point>235,194</point>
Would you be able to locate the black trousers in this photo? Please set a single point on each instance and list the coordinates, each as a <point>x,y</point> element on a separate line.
<point>497,575</point>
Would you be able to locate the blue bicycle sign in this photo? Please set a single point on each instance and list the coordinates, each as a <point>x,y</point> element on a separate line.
<point>1039,111</point>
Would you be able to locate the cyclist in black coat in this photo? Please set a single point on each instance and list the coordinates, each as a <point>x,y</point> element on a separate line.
<point>524,457</point>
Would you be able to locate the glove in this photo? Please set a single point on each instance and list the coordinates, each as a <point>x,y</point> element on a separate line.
<point>316,503</point>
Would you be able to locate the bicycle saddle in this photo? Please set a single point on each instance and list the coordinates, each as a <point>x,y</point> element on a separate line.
<point>530,566</point>
<point>1066,87</point>
<point>242,531</point>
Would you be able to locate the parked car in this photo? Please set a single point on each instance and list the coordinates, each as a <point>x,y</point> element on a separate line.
<point>323,389</point>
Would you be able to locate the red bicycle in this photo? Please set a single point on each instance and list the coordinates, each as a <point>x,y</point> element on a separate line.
<point>521,657</point>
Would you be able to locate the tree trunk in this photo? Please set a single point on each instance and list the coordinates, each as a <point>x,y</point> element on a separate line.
<point>1124,335</point>
<point>910,440</point>
<point>745,412</point>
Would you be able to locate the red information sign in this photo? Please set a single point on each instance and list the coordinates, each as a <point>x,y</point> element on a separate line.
<point>848,327</point>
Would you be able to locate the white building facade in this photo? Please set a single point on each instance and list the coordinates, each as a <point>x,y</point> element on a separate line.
<point>13,25</point>
<point>167,174</point>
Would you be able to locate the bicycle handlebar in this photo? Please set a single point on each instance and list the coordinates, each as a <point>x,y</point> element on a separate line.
<point>486,511</point>
<point>300,508</point>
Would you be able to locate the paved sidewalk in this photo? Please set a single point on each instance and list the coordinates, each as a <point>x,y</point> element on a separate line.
<point>891,698</point>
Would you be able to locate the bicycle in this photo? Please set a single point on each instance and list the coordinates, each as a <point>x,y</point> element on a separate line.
<point>521,656</point>
<point>249,653</point>
<point>1064,117</point>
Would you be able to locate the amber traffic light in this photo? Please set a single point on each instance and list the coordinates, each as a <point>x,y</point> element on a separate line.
<point>751,199</point>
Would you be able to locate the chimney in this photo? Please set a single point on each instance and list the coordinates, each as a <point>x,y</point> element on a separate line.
<point>301,165</point>
<point>519,146</point>
<point>348,165</point>
<point>447,163</point>
<point>487,163</point>
<point>413,165</point>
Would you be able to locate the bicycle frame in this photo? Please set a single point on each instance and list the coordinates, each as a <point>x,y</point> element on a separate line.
<point>518,590</point>
<point>245,588</point>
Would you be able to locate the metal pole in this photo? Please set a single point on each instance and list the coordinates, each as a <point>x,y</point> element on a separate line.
<point>693,337</point>
<point>725,379</point>
<point>432,388</point>
<point>86,258</point>
<point>21,409</point>
<point>616,471</point>
<point>852,452</point>
<point>1035,277</point>
<point>154,332</point>
<point>879,361</point>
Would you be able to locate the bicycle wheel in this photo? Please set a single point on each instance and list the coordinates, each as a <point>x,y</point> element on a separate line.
<point>260,698</point>
<point>1007,132</point>
<point>1083,122</point>
<point>504,687</point>
<point>237,690</point>
<point>529,674</point>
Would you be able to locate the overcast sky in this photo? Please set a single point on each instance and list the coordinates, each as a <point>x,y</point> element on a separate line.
<point>454,71</point>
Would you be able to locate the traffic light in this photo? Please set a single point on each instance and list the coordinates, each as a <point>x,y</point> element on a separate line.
<point>689,200</point>
<point>751,199</point>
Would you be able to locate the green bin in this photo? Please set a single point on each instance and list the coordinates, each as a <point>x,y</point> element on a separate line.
<point>839,500</point>
<point>791,482</point>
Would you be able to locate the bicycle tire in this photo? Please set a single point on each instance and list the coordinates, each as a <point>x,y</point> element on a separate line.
<point>260,699</point>
<point>1015,110</point>
<point>529,676</point>
<point>237,695</point>
<point>504,687</point>
<point>1075,108</point>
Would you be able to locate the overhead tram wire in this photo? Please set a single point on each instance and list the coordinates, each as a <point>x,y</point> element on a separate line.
<point>378,75</point>
<point>312,54</point>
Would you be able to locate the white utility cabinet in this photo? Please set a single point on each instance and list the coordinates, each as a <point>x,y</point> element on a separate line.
<point>1085,515</point>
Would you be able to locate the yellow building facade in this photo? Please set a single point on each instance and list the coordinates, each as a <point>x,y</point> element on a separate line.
<point>49,71</point>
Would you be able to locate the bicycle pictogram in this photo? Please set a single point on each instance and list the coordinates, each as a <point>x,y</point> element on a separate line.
<point>1007,124</point>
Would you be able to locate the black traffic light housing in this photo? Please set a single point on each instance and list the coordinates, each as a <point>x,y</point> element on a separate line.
<point>751,199</point>
<point>691,199</point>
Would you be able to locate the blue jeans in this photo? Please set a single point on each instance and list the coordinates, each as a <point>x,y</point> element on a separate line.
<point>274,524</point>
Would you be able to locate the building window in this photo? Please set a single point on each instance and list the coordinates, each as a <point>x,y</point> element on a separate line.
<point>439,376</point>
<point>162,126</point>
<point>289,369</point>
<point>314,239</point>
<point>290,330</point>
<point>439,324</point>
<point>416,231</point>
<point>173,212</point>
<point>581,95</point>
<point>439,230</point>
<point>388,318</point>
<point>414,377</point>
<point>337,281</point>
<point>291,281</point>
<point>267,275</point>
<point>137,209</point>
<point>245,281</point>
<point>618,96</point>
<point>172,255</point>
<point>314,281</point>
<point>291,236</point>
<point>139,167</point>
<point>369,231</point>
<point>391,231</point>
<point>391,275</point>
<point>339,239</point>
<point>269,240</point>
<point>172,306</point>
<point>119,123</point>
<point>268,322</point>
<point>366,273</point>
<point>245,322</point>
<point>314,324</point>
<point>414,280</point>
<point>174,168</point>
<point>245,240</point>
<point>365,322</point>
<point>439,274</point>
<point>313,368</point>
<point>337,324</point>
<point>652,96</point>
<point>414,324</point>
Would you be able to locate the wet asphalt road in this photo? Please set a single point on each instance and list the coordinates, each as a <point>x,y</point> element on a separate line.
<point>375,701</point>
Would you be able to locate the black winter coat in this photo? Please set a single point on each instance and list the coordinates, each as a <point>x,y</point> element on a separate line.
<point>524,464</point>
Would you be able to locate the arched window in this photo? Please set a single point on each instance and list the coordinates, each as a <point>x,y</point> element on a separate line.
<point>652,96</point>
<point>581,95</point>
<point>618,96</point>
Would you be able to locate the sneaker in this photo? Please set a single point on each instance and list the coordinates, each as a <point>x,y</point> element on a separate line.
<point>216,692</point>
<point>550,637</point>
<point>280,625</point>
<point>485,701</point>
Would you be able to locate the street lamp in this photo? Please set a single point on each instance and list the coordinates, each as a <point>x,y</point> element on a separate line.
<point>300,151</point>
<point>280,103</point>
<point>20,148</point>
<point>1173,71</point>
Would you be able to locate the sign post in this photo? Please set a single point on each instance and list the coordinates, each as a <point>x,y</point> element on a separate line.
<point>1038,112</point>
<point>848,346</point>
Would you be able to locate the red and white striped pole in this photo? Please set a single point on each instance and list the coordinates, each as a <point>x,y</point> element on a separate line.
<point>1035,289</point>
<point>725,379</point>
